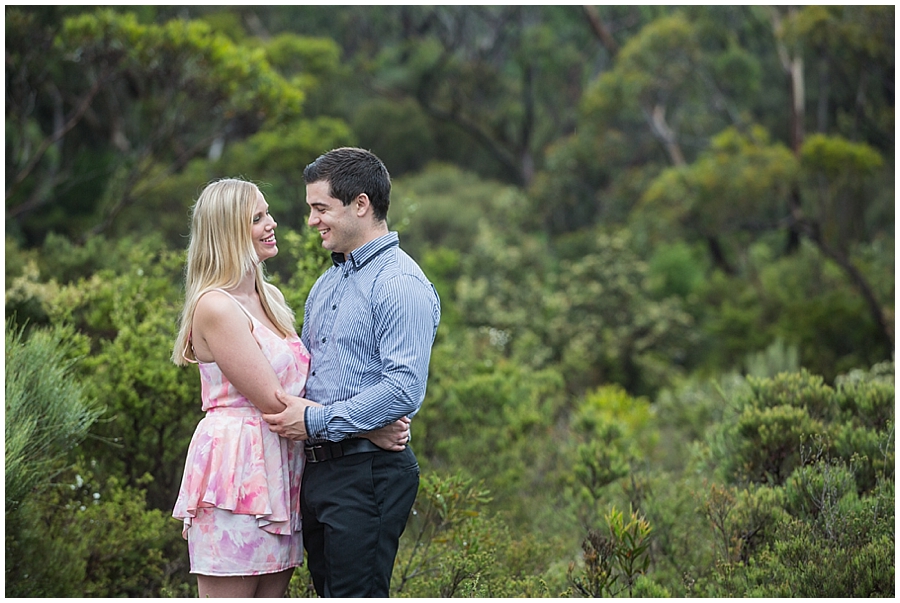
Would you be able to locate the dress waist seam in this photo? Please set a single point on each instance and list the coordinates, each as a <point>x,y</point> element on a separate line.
<point>241,411</point>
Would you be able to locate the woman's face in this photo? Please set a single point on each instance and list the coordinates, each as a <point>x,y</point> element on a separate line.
<point>263,230</point>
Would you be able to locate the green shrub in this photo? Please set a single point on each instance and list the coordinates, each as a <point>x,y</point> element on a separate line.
<point>827,528</point>
<point>90,539</point>
<point>131,317</point>
<point>48,411</point>
<point>613,563</point>
<point>453,548</point>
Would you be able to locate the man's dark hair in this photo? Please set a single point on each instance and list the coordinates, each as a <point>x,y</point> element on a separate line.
<point>350,172</point>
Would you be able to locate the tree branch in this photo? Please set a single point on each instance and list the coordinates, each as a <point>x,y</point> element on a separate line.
<point>600,30</point>
<point>53,138</point>
<point>812,232</point>
<point>656,119</point>
<point>454,116</point>
<point>137,174</point>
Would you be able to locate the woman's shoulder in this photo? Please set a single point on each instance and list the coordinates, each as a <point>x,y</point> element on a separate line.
<point>215,306</point>
<point>215,300</point>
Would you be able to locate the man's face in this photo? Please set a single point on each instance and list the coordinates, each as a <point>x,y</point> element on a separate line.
<point>339,226</point>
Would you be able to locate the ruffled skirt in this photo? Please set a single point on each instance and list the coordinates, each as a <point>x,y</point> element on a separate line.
<point>235,464</point>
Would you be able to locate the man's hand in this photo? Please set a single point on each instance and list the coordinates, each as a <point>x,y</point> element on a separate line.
<point>290,423</point>
<point>393,437</point>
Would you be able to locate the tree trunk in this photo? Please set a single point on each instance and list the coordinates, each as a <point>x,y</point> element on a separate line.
<point>793,69</point>
<point>885,324</point>
<point>600,30</point>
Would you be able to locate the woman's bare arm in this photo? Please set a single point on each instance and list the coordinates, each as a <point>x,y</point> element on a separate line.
<point>221,334</point>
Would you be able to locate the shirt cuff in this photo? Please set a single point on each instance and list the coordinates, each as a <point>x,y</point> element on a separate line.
<point>314,418</point>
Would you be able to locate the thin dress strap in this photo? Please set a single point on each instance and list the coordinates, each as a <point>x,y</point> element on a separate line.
<point>243,309</point>
<point>240,305</point>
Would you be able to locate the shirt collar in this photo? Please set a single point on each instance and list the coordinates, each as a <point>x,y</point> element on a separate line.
<point>361,256</point>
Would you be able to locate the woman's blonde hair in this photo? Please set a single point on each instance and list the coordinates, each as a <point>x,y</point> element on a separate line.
<point>220,253</point>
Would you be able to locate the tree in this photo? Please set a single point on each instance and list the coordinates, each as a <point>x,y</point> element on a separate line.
<point>739,186</point>
<point>503,79</point>
<point>108,107</point>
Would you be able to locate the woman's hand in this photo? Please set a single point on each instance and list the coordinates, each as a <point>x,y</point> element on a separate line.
<point>393,437</point>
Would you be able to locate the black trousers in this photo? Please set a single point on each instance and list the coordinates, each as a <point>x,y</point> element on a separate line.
<point>354,510</point>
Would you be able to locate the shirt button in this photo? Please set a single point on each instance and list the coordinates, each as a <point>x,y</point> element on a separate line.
<point>324,339</point>
<point>334,307</point>
<point>313,373</point>
<point>346,274</point>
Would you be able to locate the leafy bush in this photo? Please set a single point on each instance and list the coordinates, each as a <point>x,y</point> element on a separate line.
<point>802,299</point>
<point>131,316</point>
<point>87,538</point>
<point>48,411</point>
<point>847,552</point>
<point>819,508</point>
<point>494,417</point>
<point>613,564</point>
<point>452,548</point>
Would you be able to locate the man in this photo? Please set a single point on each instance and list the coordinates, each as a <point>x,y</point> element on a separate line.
<point>369,324</point>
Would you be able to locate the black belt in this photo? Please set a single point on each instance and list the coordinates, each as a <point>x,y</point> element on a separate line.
<point>316,453</point>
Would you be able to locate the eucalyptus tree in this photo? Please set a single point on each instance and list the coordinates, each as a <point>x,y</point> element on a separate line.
<point>101,108</point>
<point>498,84</point>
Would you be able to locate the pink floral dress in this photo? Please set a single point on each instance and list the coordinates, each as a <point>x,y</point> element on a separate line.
<point>240,495</point>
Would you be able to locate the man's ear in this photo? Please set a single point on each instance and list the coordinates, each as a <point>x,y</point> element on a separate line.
<point>363,204</point>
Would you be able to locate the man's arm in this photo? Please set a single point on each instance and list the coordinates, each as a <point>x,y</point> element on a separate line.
<point>291,423</point>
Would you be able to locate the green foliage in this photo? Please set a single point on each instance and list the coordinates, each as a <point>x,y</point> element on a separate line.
<point>748,169</point>
<point>160,94</point>
<point>864,36</point>
<point>439,207</point>
<point>801,299</point>
<point>27,290</point>
<point>614,433</point>
<point>283,150</point>
<point>48,411</point>
<point>742,520</point>
<point>86,537</point>
<point>612,564</point>
<point>762,440</point>
<point>833,156</point>
<point>675,269</point>
<point>640,74</point>
<point>841,174</point>
<point>688,360</point>
<point>564,194</point>
<point>152,405</point>
<point>847,549</point>
<point>300,261</point>
<point>589,311</point>
<point>451,548</point>
<point>775,359</point>
<point>211,64</point>
<point>513,408</point>
<point>868,396</point>
<point>398,132</point>
<point>302,56</point>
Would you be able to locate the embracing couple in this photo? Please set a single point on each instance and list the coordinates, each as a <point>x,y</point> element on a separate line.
<point>305,439</point>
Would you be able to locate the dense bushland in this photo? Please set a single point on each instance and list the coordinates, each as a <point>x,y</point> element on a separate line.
<point>665,365</point>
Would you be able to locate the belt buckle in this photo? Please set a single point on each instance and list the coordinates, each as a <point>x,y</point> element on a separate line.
<point>312,454</point>
<point>324,452</point>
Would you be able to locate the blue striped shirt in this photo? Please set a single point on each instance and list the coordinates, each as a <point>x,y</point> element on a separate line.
<point>369,324</point>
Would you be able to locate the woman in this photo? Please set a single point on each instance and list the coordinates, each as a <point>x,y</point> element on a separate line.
<point>239,497</point>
